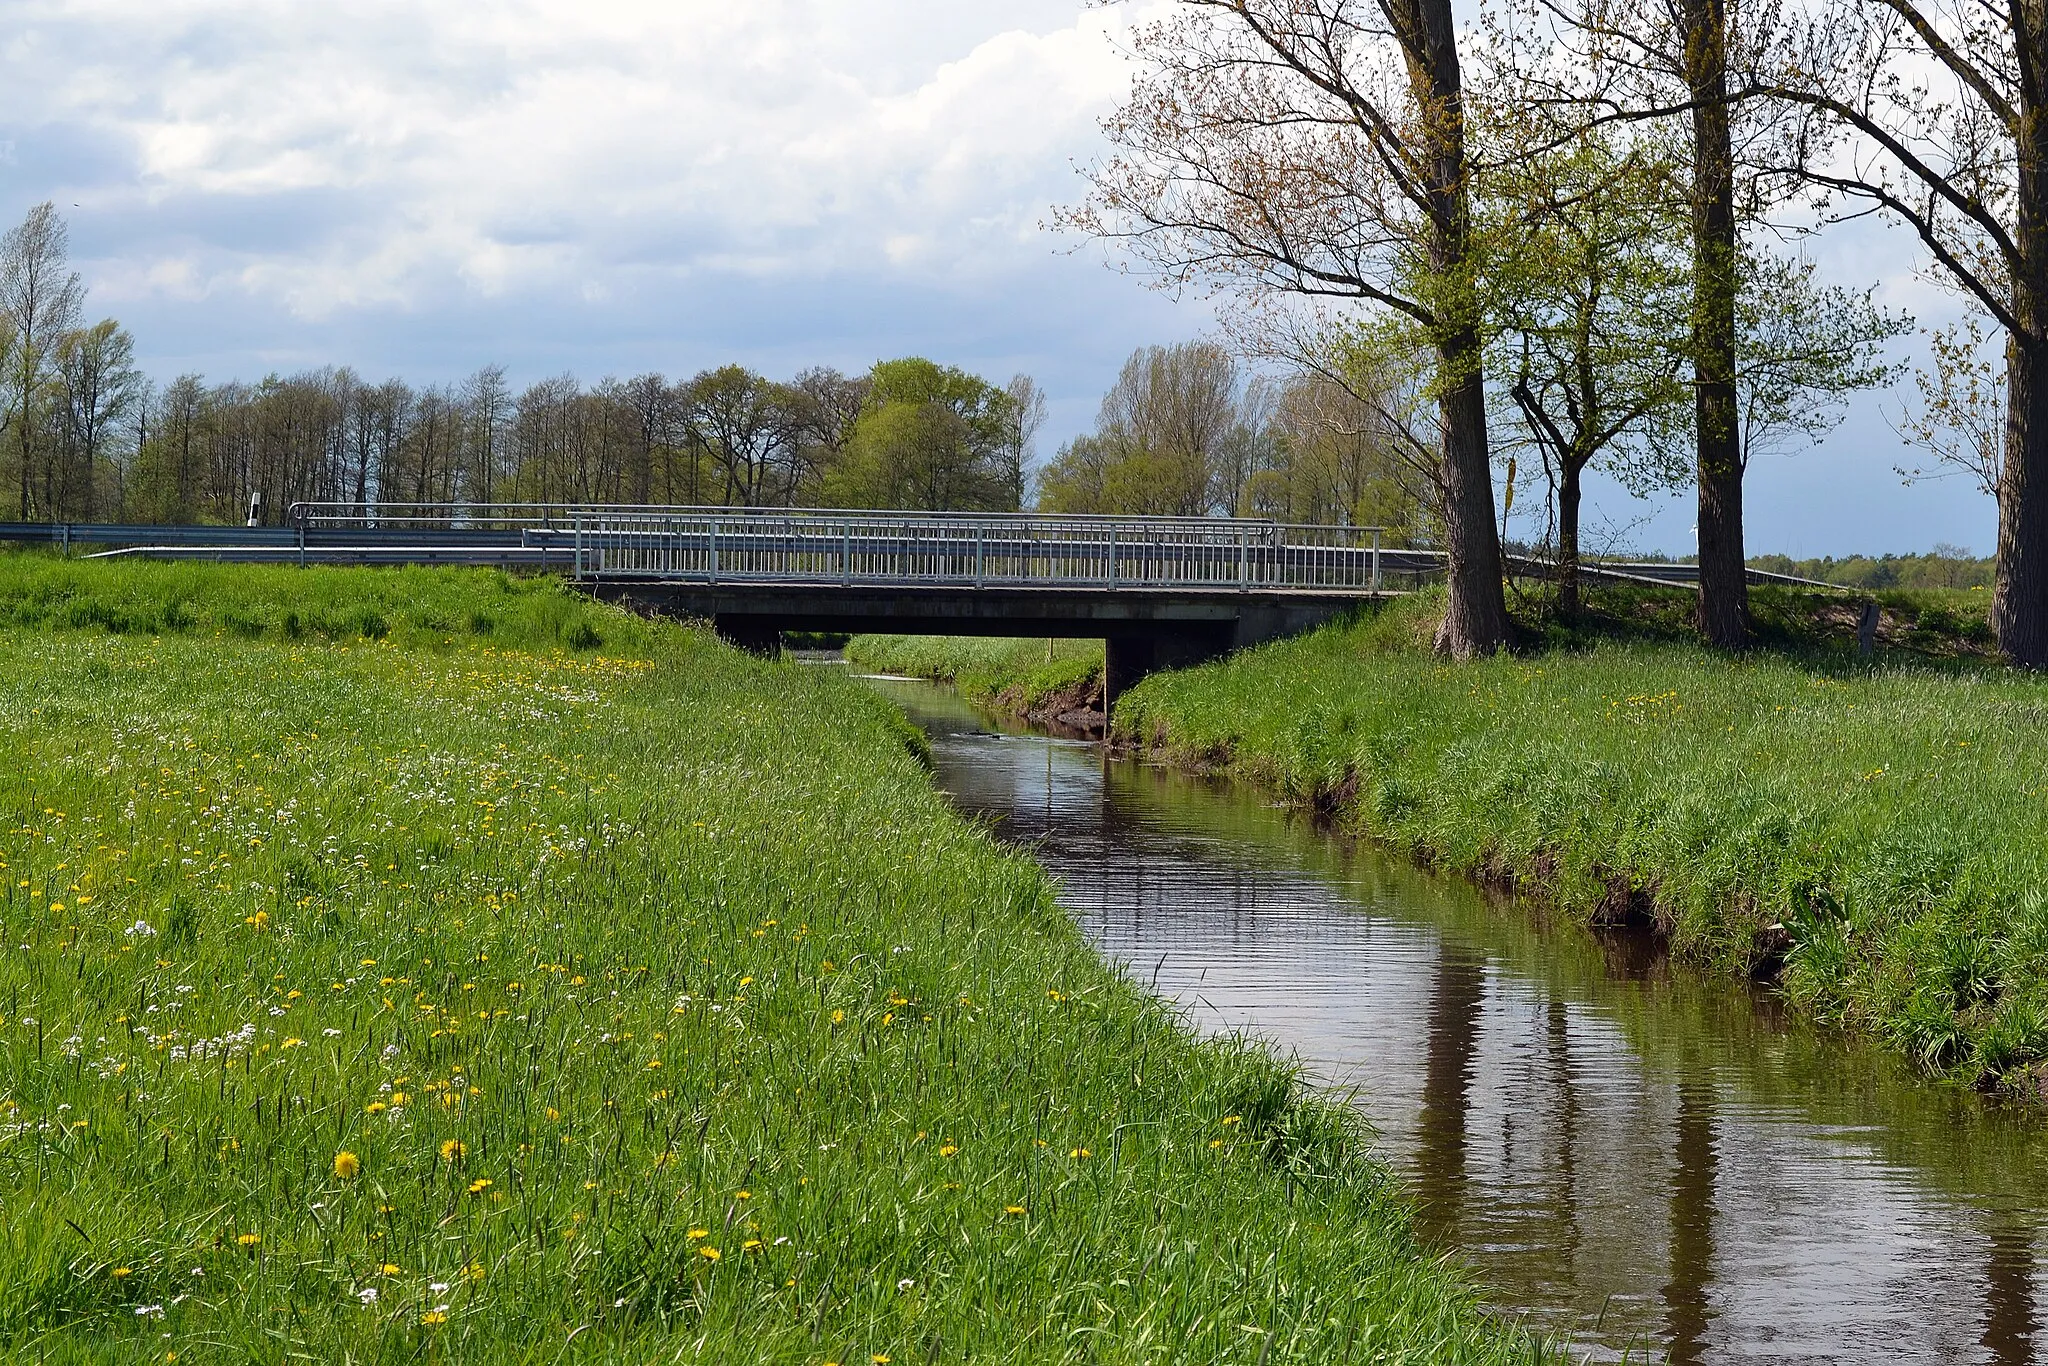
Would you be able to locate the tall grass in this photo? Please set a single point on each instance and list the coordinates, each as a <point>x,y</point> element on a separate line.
<point>397,995</point>
<point>1880,835</point>
<point>1017,675</point>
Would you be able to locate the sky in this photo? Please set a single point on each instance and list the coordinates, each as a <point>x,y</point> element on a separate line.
<point>604,187</point>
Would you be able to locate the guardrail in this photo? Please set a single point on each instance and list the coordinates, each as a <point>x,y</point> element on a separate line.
<point>830,546</point>
<point>965,551</point>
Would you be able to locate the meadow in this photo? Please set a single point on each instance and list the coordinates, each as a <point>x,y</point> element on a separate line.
<point>436,966</point>
<point>1015,676</point>
<point>1872,835</point>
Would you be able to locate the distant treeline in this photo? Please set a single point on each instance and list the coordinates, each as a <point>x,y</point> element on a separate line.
<point>1946,566</point>
<point>85,436</point>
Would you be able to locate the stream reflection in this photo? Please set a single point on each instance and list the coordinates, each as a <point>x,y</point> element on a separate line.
<point>1655,1167</point>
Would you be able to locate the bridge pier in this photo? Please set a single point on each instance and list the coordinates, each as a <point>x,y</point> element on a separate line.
<point>754,634</point>
<point>1128,656</point>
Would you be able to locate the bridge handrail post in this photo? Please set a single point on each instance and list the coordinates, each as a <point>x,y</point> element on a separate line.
<point>1375,561</point>
<point>1244,560</point>
<point>576,569</point>
<point>1112,557</point>
<point>713,562</point>
<point>846,553</point>
<point>978,562</point>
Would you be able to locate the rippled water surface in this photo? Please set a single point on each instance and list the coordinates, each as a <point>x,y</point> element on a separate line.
<point>1654,1167</point>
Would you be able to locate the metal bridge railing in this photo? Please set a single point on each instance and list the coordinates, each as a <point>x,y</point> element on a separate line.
<point>720,545</point>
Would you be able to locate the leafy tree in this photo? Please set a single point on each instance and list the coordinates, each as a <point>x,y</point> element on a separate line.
<point>929,437</point>
<point>1316,149</point>
<point>1593,295</point>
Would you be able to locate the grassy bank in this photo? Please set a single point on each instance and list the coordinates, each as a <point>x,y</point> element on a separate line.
<point>1020,677</point>
<point>419,990</point>
<point>1877,836</point>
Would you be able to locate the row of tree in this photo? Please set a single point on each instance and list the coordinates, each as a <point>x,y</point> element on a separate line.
<point>86,436</point>
<point>1568,224</point>
<point>1186,432</point>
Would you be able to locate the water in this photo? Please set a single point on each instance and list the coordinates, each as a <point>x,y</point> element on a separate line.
<point>1649,1165</point>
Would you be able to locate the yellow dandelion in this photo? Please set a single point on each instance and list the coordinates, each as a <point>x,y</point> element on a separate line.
<point>478,1187</point>
<point>433,1316</point>
<point>454,1150</point>
<point>121,1273</point>
<point>697,1233</point>
<point>709,1254</point>
<point>947,1149</point>
<point>347,1165</point>
<point>838,1017</point>
<point>248,1239</point>
<point>390,1269</point>
<point>1013,1209</point>
<point>375,1107</point>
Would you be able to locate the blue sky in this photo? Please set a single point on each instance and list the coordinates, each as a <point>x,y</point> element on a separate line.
<point>613,186</point>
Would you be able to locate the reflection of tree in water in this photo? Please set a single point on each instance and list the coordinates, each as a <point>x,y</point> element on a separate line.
<point>1565,1195</point>
<point>1456,999</point>
<point>2011,1316</point>
<point>1686,1311</point>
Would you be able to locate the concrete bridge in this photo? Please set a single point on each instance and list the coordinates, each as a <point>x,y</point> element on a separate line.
<point>1160,591</point>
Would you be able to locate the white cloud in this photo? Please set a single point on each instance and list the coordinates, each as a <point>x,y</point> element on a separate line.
<point>565,145</point>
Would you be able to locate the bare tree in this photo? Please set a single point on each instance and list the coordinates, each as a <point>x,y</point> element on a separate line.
<point>487,403</point>
<point>99,385</point>
<point>1020,438</point>
<point>1316,148</point>
<point>1935,112</point>
<point>40,298</point>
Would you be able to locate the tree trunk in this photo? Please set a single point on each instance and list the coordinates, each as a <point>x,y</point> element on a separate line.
<point>1568,493</point>
<point>1475,604</point>
<point>1475,608</point>
<point>2019,597</point>
<point>1724,581</point>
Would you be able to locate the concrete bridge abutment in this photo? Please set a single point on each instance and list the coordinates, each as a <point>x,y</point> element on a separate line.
<point>1143,629</point>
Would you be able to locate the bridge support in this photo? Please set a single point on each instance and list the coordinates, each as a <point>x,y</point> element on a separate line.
<point>756,635</point>
<point>1128,656</point>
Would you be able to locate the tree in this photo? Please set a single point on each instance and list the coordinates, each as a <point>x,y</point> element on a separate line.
<point>825,407</point>
<point>1802,349</point>
<point>99,384</point>
<point>1170,440</point>
<point>40,299</point>
<point>929,437</point>
<point>1593,298</point>
<point>1935,112</point>
<point>1316,149</point>
<point>1020,435</point>
<point>1691,72</point>
<point>741,422</point>
<point>1328,457</point>
<point>487,403</point>
<point>1961,420</point>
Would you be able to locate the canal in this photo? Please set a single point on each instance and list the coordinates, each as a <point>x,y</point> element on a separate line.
<point>1651,1166</point>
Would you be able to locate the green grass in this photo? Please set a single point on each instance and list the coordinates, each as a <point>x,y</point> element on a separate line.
<point>1878,833</point>
<point>1014,675</point>
<point>398,995</point>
